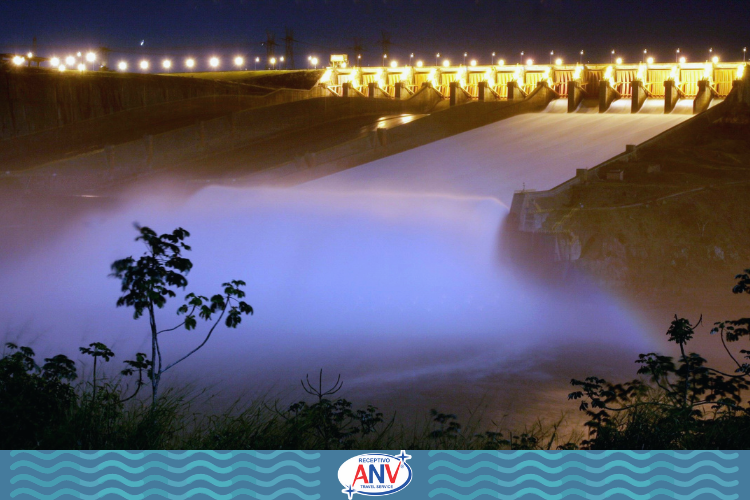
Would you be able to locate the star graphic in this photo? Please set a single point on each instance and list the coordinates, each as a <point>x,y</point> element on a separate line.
<point>349,491</point>
<point>403,456</point>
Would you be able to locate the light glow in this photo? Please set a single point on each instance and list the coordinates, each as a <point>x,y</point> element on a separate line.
<point>577,72</point>
<point>650,60</point>
<point>641,74</point>
<point>609,76</point>
<point>419,64</point>
<point>489,78</point>
<point>446,63</point>
<point>674,74</point>
<point>473,62</point>
<point>461,77</point>
<point>239,61</point>
<point>81,67</point>
<point>740,71</point>
<point>55,62</point>
<point>618,60</point>
<point>558,61</point>
<point>546,75</point>
<point>166,64</point>
<point>501,62</point>
<point>144,65</point>
<point>394,64</point>
<point>214,62</point>
<point>708,72</point>
<point>18,60</point>
<point>683,60</point>
<point>122,65</point>
<point>529,62</point>
<point>70,60</point>
<point>91,57</point>
<point>715,59</point>
<point>432,77</point>
<point>190,62</point>
<point>326,76</point>
<point>61,68</point>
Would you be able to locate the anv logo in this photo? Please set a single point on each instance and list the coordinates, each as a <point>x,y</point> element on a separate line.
<point>375,474</point>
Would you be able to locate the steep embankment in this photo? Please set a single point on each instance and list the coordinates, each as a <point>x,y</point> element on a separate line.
<point>35,99</point>
<point>274,79</point>
<point>672,216</point>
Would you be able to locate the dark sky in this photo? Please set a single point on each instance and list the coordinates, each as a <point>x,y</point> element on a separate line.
<point>225,27</point>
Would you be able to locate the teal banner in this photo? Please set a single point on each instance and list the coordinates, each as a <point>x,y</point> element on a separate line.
<point>397,474</point>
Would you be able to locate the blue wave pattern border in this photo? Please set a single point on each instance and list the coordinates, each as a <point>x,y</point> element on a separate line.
<point>162,474</point>
<point>556,475</point>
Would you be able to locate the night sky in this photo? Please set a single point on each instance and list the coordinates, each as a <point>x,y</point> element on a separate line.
<point>227,27</point>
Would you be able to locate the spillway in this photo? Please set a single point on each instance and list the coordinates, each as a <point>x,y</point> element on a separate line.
<point>537,151</point>
<point>386,273</point>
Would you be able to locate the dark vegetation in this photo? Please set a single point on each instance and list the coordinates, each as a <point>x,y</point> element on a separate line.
<point>302,79</point>
<point>674,404</point>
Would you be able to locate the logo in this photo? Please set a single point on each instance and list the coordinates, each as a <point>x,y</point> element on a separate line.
<point>375,474</point>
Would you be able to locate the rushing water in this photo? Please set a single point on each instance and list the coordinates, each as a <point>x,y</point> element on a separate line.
<point>387,273</point>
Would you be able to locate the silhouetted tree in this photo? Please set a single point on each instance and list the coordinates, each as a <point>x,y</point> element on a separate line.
<point>147,284</point>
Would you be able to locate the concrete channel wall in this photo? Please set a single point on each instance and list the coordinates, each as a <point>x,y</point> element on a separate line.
<point>34,99</point>
<point>385,142</point>
<point>527,219</point>
<point>120,162</point>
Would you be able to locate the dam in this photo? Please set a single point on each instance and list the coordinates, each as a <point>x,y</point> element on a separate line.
<point>376,256</point>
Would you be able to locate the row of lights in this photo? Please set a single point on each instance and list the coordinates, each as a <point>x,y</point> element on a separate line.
<point>214,62</point>
<point>239,61</point>
<point>558,61</point>
<point>190,63</point>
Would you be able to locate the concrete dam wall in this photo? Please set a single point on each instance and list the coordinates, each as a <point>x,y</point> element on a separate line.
<point>32,100</point>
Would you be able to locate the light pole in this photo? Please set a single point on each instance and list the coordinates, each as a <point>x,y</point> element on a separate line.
<point>493,59</point>
<point>273,63</point>
<point>520,59</point>
<point>710,52</point>
<point>611,56</point>
<point>677,55</point>
<point>385,56</point>
<point>436,58</point>
<point>281,60</point>
<point>645,51</point>
<point>359,60</point>
<point>551,53</point>
<point>744,53</point>
<point>580,60</point>
<point>257,60</point>
<point>411,57</point>
<point>465,54</point>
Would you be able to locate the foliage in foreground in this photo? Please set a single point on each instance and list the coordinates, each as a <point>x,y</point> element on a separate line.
<point>46,412</point>
<point>683,404</point>
<point>673,405</point>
